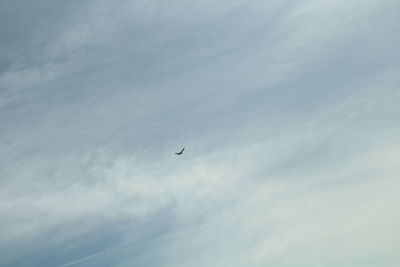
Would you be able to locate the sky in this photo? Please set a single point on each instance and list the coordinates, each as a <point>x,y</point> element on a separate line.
<point>288,111</point>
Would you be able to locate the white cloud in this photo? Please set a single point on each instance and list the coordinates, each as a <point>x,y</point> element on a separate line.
<point>291,155</point>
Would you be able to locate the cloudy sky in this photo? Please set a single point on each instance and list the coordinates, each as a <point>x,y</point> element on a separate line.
<point>289,112</point>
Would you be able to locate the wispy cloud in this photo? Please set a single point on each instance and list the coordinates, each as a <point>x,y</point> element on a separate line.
<point>288,111</point>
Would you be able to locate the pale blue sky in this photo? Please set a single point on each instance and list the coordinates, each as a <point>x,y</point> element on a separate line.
<point>289,112</point>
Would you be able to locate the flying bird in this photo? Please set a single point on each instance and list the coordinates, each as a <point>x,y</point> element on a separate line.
<point>179,153</point>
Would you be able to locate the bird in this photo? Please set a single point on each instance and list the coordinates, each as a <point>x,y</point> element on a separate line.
<point>179,153</point>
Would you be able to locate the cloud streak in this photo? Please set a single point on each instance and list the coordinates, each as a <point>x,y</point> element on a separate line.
<point>288,112</point>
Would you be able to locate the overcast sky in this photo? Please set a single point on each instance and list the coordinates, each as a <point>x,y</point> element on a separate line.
<point>289,111</point>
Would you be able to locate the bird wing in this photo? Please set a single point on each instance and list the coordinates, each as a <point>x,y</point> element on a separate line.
<point>180,153</point>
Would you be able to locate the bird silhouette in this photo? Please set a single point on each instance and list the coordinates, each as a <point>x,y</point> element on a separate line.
<point>179,153</point>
